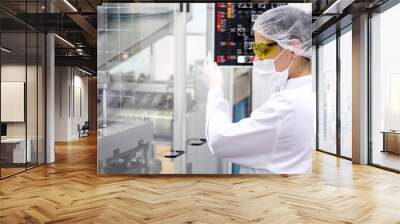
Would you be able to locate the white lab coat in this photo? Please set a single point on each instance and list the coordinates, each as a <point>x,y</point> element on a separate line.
<point>277,138</point>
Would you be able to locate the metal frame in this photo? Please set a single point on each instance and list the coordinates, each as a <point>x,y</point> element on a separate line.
<point>338,98</point>
<point>369,77</point>
<point>26,88</point>
<point>317,96</point>
<point>0,90</point>
<point>37,93</point>
<point>179,118</point>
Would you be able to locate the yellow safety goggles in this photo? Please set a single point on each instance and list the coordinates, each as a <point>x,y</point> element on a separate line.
<point>263,50</point>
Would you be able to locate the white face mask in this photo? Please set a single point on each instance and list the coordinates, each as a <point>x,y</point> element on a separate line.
<point>265,69</point>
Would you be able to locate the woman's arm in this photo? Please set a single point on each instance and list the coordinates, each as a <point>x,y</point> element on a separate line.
<point>249,141</point>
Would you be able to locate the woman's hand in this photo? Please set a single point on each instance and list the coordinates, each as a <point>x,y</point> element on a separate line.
<point>212,74</point>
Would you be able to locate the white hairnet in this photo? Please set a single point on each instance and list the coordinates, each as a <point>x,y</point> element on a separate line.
<point>286,23</point>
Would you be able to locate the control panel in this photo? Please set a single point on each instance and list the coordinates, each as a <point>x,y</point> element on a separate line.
<point>233,31</point>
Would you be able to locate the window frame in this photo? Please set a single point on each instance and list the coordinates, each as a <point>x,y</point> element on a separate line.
<point>379,10</point>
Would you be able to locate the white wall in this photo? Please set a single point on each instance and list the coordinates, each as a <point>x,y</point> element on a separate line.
<point>79,117</point>
<point>12,73</point>
<point>69,82</point>
<point>34,124</point>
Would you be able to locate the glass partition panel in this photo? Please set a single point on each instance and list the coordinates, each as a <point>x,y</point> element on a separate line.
<point>22,87</point>
<point>15,151</point>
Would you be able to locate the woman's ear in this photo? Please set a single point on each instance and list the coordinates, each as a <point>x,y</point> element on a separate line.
<point>295,43</point>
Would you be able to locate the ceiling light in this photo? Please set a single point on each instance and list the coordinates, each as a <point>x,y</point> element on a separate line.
<point>125,56</point>
<point>5,50</point>
<point>84,71</point>
<point>338,6</point>
<point>70,5</point>
<point>79,51</point>
<point>64,40</point>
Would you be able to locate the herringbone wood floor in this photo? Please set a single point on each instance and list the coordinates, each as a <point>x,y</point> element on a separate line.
<point>70,191</point>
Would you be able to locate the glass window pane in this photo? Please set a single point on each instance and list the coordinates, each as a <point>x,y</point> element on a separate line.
<point>32,86</point>
<point>14,150</point>
<point>31,97</point>
<point>346,94</point>
<point>385,89</point>
<point>22,89</point>
<point>327,97</point>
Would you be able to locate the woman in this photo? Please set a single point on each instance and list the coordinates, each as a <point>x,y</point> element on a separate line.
<point>278,136</point>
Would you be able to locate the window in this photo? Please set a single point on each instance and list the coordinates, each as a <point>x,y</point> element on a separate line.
<point>346,93</point>
<point>327,96</point>
<point>385,89</point>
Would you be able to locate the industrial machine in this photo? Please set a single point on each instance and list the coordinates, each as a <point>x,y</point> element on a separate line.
<point>126,149</point>
<point>151,94</point>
